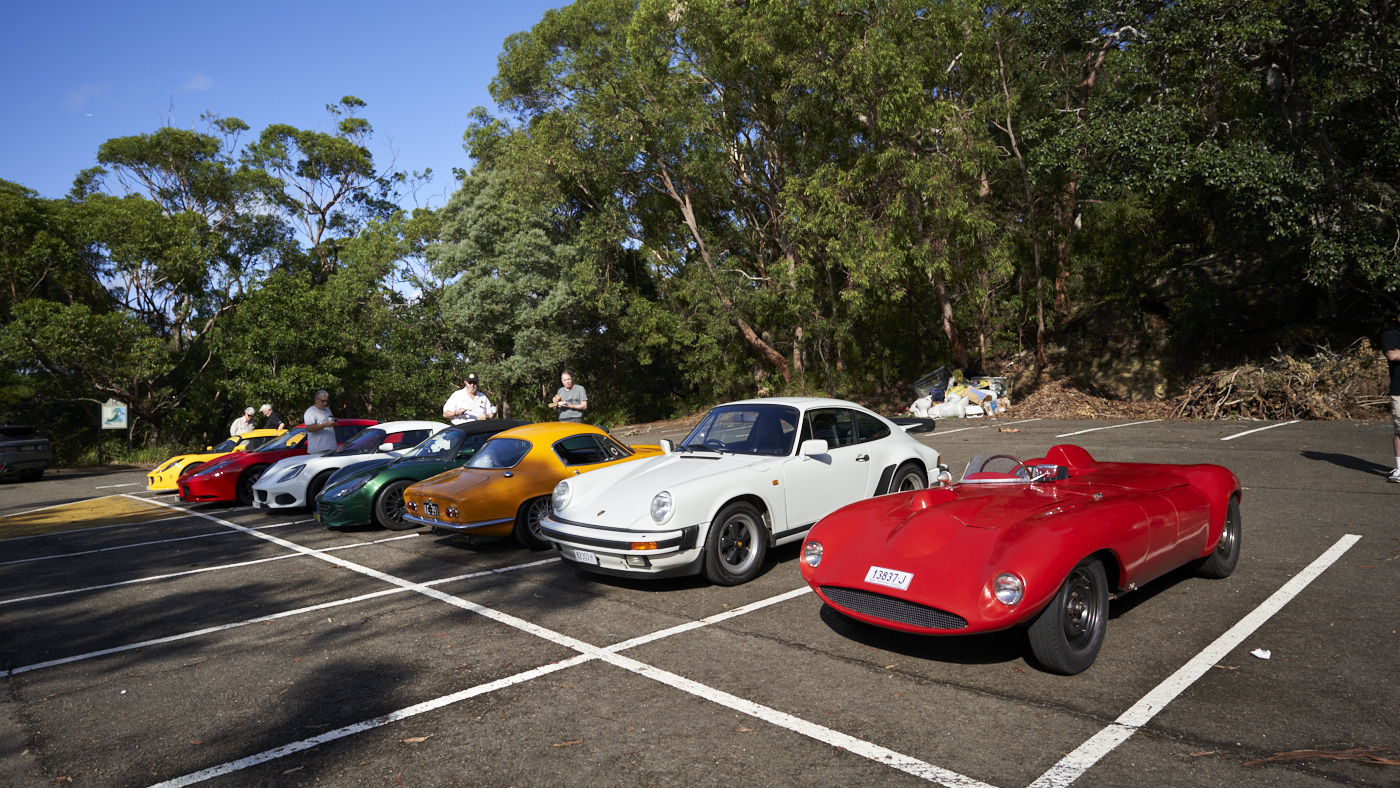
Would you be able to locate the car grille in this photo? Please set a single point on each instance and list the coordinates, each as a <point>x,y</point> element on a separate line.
<point>323,509</point>
<point>893,609</point>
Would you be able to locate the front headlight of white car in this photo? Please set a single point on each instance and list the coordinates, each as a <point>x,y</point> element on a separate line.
<point>562,493</point>
<point>662,507</point>
<point>291,473</point>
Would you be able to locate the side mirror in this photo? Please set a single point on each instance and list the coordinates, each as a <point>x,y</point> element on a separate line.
<point>814,448</point>
<point>667,446</point>
<point>241,447</point>
<point>208,448</point>
<point>386,447</point>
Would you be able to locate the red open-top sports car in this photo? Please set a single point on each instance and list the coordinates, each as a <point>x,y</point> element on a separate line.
<point>232,477</point>
<point>1038,542</point>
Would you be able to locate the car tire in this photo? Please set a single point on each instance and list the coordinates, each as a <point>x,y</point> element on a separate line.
<point>735,545</point>
<point>246,480</point>
<point>1221,562</point>
<point>1068,633</point>
<point>908,477</point>
<point>389,509</point>
<point>315,487</point>
<point>527,523</point>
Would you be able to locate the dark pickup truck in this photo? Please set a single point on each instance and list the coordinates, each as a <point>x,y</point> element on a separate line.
<point>23,452</point>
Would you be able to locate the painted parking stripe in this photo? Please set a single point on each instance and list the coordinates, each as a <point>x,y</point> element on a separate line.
<point>1110,427</point>
<point>1261,429</point>
<point>874,752</point>
<point>1076,763</point>
<point>263,619</point>
<point>999,423</point>
<point>171,575</point>
<point>113,486</point>
<point>145,544</point>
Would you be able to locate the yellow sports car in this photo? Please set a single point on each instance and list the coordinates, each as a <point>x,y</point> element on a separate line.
<point>506,488</point>
<point>165,476</point>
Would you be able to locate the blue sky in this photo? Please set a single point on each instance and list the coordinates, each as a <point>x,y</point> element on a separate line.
<point>78,74</point>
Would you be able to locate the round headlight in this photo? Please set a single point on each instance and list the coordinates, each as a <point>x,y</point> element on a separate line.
<point>562,493</point>
<point>661,508</point>
<point>812,554</point>
<point>1008,589</point>
<point>291,473</point>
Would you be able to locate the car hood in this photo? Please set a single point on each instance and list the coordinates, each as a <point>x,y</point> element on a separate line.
<point>625,491</point>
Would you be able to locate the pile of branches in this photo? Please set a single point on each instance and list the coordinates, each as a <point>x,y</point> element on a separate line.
<point>1060,399</point>
<point>1326,385</point>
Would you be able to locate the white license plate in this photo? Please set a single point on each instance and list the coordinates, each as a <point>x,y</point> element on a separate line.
<point>430,509</point>
<point>585,557</point>
<point>888,577</point>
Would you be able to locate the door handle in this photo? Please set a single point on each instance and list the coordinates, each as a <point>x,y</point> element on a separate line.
<point>862,458</point>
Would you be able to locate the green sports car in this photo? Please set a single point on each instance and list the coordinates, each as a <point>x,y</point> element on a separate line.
<point>372,492</point>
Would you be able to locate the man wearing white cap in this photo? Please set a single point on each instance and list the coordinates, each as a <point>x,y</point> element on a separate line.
<point>467,404</point>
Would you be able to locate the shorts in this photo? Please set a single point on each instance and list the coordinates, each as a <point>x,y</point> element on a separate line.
<point>1395,412</point>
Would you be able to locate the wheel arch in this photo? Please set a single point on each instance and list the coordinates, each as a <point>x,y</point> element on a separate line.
<point>754,500</point>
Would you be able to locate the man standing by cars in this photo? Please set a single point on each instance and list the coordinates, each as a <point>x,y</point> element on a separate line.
<point>320,423</point>
<point>571,401</point>
<point>243,423</point>
<point>467,404</point>
<point>272,420</point>
<point>1390,343</point>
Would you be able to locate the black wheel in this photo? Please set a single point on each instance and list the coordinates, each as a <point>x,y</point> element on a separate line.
<point>1222,562</point>
<point>389,509</point>
<point>908,477</point>
<point>315,487</point>
<point>246,480</point>
<point>735,545</point>
<point>1068,633</point>
<point>527,522</point>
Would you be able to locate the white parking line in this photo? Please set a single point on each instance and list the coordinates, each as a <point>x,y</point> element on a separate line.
<point>820,733</point>
<point>113,486</point>
<point>263,619</point>
<point>146,544</point>
<point>1076,763</point>
<point>1110,427</point>
<point>996,422</point>
<point>154,578</point>
<point>1261,429</point>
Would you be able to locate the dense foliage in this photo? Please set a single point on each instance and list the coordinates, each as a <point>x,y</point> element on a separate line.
<point>689,200</point>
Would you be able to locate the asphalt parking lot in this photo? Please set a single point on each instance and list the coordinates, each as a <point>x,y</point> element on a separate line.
<point>145,642</point>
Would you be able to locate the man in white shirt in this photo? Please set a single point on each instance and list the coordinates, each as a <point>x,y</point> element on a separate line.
<point>242,424</point>
<point>320,424</point>
<point>467,404</point>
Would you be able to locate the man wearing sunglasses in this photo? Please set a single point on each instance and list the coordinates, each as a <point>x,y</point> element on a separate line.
<point>468,404</point>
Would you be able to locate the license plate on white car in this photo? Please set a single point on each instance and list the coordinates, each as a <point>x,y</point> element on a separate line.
<point>889,577</point>
<point>585,557</point>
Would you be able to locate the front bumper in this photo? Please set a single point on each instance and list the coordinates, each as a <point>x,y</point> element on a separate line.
<point>217,488</point>
<point>288,495</point>
<point>347,511</point>
<point>622,551</point>
<point>506,524</point>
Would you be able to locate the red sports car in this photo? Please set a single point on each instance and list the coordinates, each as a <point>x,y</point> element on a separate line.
<point>232,477</point>
<point>1039,543</point>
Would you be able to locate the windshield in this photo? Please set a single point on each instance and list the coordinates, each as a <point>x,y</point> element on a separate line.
<point>291,440</point>
<point>766,430</point>
<point>366,442</point>
<point>227,445</point>
<point>447,445</point>
<point>500,453</point>
<point>1005,469</point>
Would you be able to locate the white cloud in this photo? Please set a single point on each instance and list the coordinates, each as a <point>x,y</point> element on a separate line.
<point>78,97</point>
<point>196,82</point>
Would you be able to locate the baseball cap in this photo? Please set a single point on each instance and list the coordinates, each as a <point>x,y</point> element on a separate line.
<point>471,377</point>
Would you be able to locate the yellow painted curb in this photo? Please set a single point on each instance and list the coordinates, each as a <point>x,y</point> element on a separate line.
<point>93,513</point>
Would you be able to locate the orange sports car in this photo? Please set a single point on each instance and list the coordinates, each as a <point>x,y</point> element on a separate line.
<point>507,487</point>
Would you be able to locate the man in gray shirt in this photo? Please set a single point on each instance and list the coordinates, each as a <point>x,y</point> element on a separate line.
<point>571,401</point>
<point>320,424</point>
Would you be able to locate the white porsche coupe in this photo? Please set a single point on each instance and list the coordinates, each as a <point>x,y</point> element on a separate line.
<point>752,475</point>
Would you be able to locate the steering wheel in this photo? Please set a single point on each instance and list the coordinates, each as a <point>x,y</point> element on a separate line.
<point>1021,471</point>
